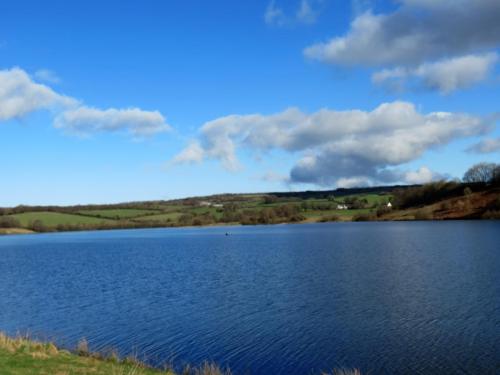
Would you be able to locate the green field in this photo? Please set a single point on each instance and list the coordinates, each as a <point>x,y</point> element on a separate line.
<point>172,216</point>
<point>119,213</point>
<point>205,210</point>
<point>52,219</point>
<point>313,215</point>
<point>371,198</point>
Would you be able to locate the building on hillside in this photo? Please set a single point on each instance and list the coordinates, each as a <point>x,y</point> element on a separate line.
<point>210,204</point>
<point>342,207</point>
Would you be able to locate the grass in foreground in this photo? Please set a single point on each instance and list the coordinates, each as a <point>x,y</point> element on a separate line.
<point>23,356</point>
<point>20,356</point>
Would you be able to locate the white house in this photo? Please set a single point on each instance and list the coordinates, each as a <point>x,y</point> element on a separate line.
<point>342,207</point>
<point>210,204</point>
<point>389,205</point>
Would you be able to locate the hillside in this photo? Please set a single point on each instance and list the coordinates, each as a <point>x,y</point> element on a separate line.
<point>436,201</point>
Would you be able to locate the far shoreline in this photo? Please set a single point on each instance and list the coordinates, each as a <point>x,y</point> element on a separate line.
<point>24,232</point>
<point>438,201</point>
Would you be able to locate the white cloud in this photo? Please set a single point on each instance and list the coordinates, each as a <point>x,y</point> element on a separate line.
<point>421,176</point>
<point>46,75</point>
<point>350,182</point>
<point>458,73</point>
<point>274,15</point>
<point>85,120</point>
<point>193,153</point>
<point>307,13</point>
<point>336,145</point>
<point>443,43</point>
<point>412,36</point>
<point>445,75</point>
<point>486,146</point>
<point>20,95</point>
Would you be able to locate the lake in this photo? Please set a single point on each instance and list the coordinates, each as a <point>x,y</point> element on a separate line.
<point>387,298</point>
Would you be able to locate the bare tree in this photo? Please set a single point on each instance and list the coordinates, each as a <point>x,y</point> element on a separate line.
<point>481,172</point>
<point>496,175</point>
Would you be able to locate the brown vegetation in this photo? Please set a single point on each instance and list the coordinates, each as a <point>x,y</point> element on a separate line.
<point>431,203</point>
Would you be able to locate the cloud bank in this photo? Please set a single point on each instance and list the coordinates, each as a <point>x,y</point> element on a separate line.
<point>336,147</point>
<point>437,41</point>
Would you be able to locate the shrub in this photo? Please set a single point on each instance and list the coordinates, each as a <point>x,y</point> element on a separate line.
<point>269,199</point>
<point>9,222</point>
<point>38,226</point>
<point>382,210</point>
<point>491,215</point>
<point>423,215</point>
<point>426,194</point>
<point>186,219</point>
<point>446,206</point>
<point>495,205</point>
<point>363,217</point>
<point>329,218</point>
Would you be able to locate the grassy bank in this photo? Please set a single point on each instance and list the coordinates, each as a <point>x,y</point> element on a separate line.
<point>22,356</point>
<point>15,231</point>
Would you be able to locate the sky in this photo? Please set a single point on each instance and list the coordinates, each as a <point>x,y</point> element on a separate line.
<point>114,101</point>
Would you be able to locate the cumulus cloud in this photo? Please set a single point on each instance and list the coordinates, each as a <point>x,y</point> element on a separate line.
<point>411,40</point>
<point>437,29</point>
<point>20,95</point>
<point>337,146</point>
<point>445,75</point>
<point>421,176</point>
<point>85,120</point>
<point>486,146</point>
<point>306,13</point>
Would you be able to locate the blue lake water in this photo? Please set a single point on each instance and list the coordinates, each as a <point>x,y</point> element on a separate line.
<point>388,298</point>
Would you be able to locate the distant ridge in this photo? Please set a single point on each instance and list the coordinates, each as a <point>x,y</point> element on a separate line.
<point>340,192</point>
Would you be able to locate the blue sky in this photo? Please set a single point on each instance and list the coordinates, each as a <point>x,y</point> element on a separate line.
<point>139,100</point>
